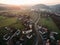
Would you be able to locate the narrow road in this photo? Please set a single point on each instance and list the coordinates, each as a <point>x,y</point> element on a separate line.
<point>39,37</point>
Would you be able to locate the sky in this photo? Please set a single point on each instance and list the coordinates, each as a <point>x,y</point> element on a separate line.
<point>30,2</point>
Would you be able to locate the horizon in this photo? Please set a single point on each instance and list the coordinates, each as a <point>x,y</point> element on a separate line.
<point>29,2</point>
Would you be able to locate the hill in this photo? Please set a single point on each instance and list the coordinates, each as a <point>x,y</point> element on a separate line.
<point>56,8</point>
<point>41,7</point>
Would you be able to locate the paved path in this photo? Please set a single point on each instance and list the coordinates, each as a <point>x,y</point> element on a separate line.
<point>39,37</point>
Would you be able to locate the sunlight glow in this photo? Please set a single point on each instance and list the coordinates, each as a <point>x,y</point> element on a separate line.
<point>29,2</point>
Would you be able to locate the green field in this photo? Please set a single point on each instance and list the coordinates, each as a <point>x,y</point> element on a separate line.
<point>49,23</point>
<point>18,25</point>
<point>5,21</point>
<point>2,18</point>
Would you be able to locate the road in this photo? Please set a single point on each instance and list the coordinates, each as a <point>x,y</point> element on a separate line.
<point>38,36</point>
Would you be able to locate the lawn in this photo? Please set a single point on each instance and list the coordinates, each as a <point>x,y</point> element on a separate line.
<point>2,18</point>
<point>18,25</point>
<point>49,23</point>
<point>7,22</point>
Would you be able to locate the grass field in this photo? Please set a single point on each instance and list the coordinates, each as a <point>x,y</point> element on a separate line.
<point>18,25</point>
<point>2,18</point>
<point>5,21</point>
<point>49,23</point>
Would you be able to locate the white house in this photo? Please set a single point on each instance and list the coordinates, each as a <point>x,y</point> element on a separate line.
<point>26,32</point>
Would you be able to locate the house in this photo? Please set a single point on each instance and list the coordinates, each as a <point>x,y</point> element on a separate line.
<point>11,35</point>
<point>30,26</point>
<point>6,37</point>
<point>17,32</point>
<point>29,36</point>
<point>26,32</point>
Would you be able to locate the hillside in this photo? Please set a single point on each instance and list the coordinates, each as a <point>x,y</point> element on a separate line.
<point>56,8</point>
<point>51,8</point>
<point>41,7</point>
